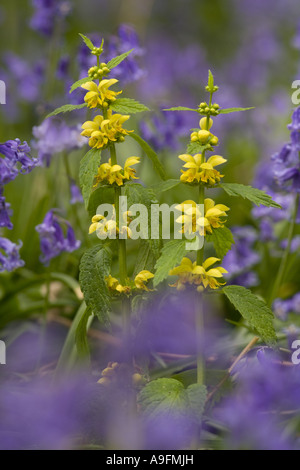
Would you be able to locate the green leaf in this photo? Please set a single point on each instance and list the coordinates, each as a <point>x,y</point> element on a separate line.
<point>158,167</point>
<point>117,60</point>
<point>102,195</point>
<point>128,106</point>
<point>171,255</point>
<point>211,81</point>
<point>254,310</point>
<point>94,268</point>
<point>233,110</point>
<point>81,335</point>
<point>66,108</point>
<point>181,108</point>
<point>257,196</point>
<point>87,41</point>
<point>165,186</point>
<point>196,147</point>
<point>87,172</point>
<point>80,82</point>
<point>197,395</point>
<point>168,397</point>
<point>163,397</point>
<point>69,355</point>
<point>144,258</point>
<point>222,239</point>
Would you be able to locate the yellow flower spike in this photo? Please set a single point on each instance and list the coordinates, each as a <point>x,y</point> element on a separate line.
<point>128,171</point>
<point>195,275</point>
<point>203,123</point>
<point>142,278</point>
<point>208,173</point>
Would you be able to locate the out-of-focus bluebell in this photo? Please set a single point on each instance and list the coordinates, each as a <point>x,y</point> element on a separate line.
<point>55,136</point>
<point>76,195</point>
<point>241,259</point>
<point>53,240</point>
<point>47,13</point>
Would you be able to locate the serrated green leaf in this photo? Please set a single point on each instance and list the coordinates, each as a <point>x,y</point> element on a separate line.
<point>87,172</point>
<point>66,109</point>
<point>181,108</point>
<point>94,268</point>
<point>257,196</point>
<point>196,147</point>
<point>102,195</point>
<point>128,106</point>
<point>222,239</point>
<point>80,82</point>
<point>211,80</point>
<point>81,334</point>
<point>254,310</point>
<point>117,60</point>
<point>87,41</point>
<point>171,255</point>
<point>144,259</point>
<point>197,395</point>
<point>165,186</point>
<point>233,110</point>
<point>158,167</point>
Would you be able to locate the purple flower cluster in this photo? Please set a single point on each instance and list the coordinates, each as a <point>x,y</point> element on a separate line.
<point>164,130</point>
<point>242,257</point>
<point>46,13</point>
<point>55,136</point>
<point>265,389</point>
<point>76,195</point>
<point>9,255</point>
<point>282,307</point>
<point>16,160</point>
<point>286,165</point>
<point>53,240</point>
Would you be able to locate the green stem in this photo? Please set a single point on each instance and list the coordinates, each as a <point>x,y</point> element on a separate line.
<point>285,258</point>
<point>121,251</point>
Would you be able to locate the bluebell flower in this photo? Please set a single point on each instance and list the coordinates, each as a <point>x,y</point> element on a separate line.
<point>76,195</point>
<point>282,308</point>
<point>9,255</point>
<point>16,159</point>
<point>55,136</point>
<point>5,212</point>
<point>46,12</point>
<point>53,240</point>
<point>241,259</point>
<point>164,130</point>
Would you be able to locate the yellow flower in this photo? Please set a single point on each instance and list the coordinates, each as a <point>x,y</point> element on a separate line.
<point>211,277</point>
<point>108,227</point>
<point>193,166</point>
<point>115,175</point>
<point>193,220</point>
<point>214,214</point>
<point>193,274</point>
<point>106,94</point>
<point>100,95</point>
<point>114,285</point>
<point>102,131</point>
<point>95,221</point>
<point>208,173</point>
<point>142,278</point>
<point>128,171</point>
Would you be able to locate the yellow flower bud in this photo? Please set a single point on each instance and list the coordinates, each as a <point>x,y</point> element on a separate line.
<point>203,123</point>
<point>104,381</point>
<point>203,136</point>
<point>214,140</point>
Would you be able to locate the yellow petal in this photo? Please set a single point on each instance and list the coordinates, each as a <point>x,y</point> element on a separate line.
<point>209,262</point>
